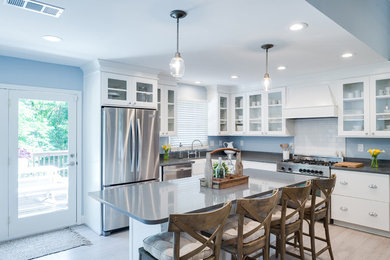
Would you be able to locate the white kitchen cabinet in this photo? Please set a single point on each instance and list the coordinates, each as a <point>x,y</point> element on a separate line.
<point>223,115</point>
<point>354,107</point>
<point>361,198</point>
<point>166,105</point>
<point>275,123</point>
<point>380,105</point>
<point>198,167</point>
<point>238,115</point>
<point>255,113</point>
<point>124,90</point>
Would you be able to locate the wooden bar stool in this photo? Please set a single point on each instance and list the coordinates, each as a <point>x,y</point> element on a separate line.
<point>287,221</point>
<point>248,231</point>
<point>317,208</point>
<point>183,239</point>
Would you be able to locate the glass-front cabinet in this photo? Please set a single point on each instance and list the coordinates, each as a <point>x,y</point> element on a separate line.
<point>238,114</point>
<point>275,123</point>
<point>354,104</point>
<point>129,91</point>
<point>380,105</point>
<point>223,124</point>
<point>166,105</point>
<point>255,113</point>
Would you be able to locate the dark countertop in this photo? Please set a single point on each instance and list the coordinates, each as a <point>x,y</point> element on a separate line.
<point>384,166</point>
<point>175,161</point>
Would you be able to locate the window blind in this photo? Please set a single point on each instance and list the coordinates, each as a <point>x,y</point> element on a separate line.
<point>191,123</point>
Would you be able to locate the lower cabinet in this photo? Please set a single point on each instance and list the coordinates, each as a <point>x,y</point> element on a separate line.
<point>361,198</point>
<point>259,165</point>
<point>198,167</point>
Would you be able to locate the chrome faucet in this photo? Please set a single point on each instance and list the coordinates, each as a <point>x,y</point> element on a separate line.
<point>192,148</point>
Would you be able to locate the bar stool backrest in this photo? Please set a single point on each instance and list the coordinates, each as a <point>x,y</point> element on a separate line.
<point>193,224</point>
<point>326,186</point>
<point>296,196</point>
<point>258,209</point>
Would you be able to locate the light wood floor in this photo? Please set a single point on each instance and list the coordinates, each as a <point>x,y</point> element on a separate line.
<point>347,244</point>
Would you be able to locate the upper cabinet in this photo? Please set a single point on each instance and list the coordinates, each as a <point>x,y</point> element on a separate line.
<point>354,107</point>
<point>255,113</point>
<point>238,119</point>
<point>123,90</point>
<point>380,105</point>
<point>365,107</point>
<point>223,115</point>
<point>275,123</point>
<point>166,106</point>
<point>251,113</point>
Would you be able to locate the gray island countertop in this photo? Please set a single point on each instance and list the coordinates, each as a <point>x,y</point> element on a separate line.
<point>152,203</point>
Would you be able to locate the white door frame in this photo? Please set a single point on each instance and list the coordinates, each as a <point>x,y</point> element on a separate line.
<point>78,96</point>
<point>4,165</point>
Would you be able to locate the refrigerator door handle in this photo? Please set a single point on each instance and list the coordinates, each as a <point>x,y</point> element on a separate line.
<point>132,133</point>
<point>139,143</point>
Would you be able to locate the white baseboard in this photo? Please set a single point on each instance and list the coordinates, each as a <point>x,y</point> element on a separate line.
<point>362,228</point>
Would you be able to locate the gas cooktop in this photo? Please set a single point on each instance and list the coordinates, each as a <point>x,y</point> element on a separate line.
<point>309,165</point>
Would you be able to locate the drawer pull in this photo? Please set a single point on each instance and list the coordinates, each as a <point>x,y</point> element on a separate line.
<point>343,183</point>
<point>372,186</point>
<point>343,208</point>
<point>373,214</point>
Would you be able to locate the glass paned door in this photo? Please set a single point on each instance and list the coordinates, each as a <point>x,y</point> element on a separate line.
<point>255,115</point>
<point>223,114</point>
<point>42,181</point>
<point>353,107</point>
<point>275,120</point>
<point>382,105</point>
<point>239,114</point>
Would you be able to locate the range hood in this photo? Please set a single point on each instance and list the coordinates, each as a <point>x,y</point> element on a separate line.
<point>310,102</point>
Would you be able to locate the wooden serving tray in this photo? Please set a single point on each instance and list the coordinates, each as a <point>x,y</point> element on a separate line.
<point>349,164</point>
<point>230,181</point>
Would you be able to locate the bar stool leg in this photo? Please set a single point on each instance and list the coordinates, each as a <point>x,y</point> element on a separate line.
<point>301,250</point>
<point>326,226</point>
<point>312,238</point>
<point>282,246</point>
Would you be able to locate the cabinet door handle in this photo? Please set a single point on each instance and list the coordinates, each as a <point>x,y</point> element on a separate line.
<point>373,133</point>
<point>343,208</point>
<point>372,186</point>
<point>343,183</point>
<point>372,214</point>
<point>366,133</point>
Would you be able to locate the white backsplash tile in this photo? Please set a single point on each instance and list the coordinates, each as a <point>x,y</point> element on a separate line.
<point>317,137</point>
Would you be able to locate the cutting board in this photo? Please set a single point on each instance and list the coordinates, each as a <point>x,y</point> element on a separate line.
<point>349,164</point>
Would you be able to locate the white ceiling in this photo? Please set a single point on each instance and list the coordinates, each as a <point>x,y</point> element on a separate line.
<point>218,38</point>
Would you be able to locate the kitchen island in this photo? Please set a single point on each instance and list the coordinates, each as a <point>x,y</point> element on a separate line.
<point>149,205</point>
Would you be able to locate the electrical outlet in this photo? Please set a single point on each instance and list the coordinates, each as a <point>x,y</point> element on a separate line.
<point>220,142</point>
<point>211,143</point>
<point>241,143</point>
<point>360,148</point>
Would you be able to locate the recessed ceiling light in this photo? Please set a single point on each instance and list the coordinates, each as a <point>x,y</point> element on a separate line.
<point>51,38</point>
<point>347,55</point>
<point>298,26</point>
<point>234,76</point>
<point>281,67</point>
<point>197,82</point>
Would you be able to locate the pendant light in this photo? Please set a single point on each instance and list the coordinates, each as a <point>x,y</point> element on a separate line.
<point>267,78</point>
<point>177,63</point>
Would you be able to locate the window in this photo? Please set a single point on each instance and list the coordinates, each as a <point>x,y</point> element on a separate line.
<point>191,123</point>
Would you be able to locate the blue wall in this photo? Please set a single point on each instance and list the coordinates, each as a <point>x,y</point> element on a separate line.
<point>253,143</point>
<point>40,74</point>
<point>351,145</point>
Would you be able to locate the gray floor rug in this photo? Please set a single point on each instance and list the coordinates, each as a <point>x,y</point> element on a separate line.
<point>40,245</point>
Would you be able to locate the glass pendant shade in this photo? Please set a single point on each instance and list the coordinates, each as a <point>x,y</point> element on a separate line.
<point>267,82</point>
<point>177,66</point>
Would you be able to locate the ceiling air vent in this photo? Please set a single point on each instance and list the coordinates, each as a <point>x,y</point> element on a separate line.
<point>37,7</point>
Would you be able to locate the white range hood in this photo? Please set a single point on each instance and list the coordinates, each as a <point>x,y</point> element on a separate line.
<point>310,102</point>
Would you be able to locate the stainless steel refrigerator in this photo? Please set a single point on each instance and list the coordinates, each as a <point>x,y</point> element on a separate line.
<point>130,154</point>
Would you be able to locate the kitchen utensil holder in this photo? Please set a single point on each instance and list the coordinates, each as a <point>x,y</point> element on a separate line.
<point>286,155</point>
